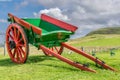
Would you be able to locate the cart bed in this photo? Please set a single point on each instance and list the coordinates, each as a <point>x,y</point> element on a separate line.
<point>47,28</point>
<point>51,34</point>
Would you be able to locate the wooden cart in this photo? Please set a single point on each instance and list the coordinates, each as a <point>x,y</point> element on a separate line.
<point>46,33</point>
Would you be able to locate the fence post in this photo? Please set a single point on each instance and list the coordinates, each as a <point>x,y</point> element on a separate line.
<point>82,48</point>
<point>4,48</point>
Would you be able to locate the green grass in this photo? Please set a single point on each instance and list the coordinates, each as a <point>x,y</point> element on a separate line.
<point>97,40</point>
<point>41,67</point>
<point>107,30</point>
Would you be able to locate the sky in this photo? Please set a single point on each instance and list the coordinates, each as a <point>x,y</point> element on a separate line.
<point>87,15</point>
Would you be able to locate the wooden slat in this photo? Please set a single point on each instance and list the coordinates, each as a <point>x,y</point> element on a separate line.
<point>59,23</point>
<point>25,24</point>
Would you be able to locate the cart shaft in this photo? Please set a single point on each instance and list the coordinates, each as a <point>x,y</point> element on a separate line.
<point>68,61</point>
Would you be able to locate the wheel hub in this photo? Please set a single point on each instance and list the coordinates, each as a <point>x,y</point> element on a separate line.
<point>12,44</point>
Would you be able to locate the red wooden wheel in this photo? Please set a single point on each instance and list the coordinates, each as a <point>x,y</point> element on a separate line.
<point>16,43</point>
<point>58,50</point>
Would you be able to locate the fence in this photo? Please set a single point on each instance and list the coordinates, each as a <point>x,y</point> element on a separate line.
<point>86,49</point>
<point>99,49</point>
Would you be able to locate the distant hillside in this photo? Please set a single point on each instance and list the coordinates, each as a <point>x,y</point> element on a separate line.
<point>97,40</point>
<point>109,30</point>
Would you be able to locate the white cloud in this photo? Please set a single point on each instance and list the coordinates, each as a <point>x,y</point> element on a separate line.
<point>86,14</point>
<point>3,21</point>
<point>55,12</point>
<point>113,23</point>
<point>22,4</point>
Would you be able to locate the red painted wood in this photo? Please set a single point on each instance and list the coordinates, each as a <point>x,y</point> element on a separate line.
<point>59,23</point>
<point>19,52</point>
<point>88,56</point>
<point>57,50</point>
<point>25,24</point>
<point>70,62</point>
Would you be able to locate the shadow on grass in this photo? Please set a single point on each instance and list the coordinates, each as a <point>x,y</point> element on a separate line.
<point>60,67</point>
<point>6,62</point>
<point>34,59</point>
<point>31,59</point>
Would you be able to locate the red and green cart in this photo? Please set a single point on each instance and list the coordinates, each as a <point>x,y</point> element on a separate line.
<point>45,33</point>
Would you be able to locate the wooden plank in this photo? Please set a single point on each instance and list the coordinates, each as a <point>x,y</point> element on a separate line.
<point>25,24</point>
<point>59,23</point>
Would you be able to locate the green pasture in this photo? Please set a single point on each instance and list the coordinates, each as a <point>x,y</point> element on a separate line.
<point>41,67</point>
<point>97,40</point>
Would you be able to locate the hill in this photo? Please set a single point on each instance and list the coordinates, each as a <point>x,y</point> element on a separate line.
<point>97,40</point>
<point>108,30</point>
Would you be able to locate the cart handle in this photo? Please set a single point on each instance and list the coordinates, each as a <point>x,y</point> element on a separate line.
<point>25,24</point>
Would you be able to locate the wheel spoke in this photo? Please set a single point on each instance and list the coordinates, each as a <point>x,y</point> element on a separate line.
<point>20,54</point>
<point>11,36</point>
<point>14,52</point>
<point>9,49</point>
<point>56,49</point>
<point>20,40</point>
<point>15,32</point>
<point>52,49</point>
<point>22,51</point>
<point>17,55</point>
<point>12,32</point>
<point>21,45</point>
<point>18,35</point>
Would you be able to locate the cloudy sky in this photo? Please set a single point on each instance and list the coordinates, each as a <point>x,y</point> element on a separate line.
<point>87,15</point>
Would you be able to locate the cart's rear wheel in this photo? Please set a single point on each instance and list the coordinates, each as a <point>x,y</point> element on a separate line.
<point>57,50</point>
<point>17,43</point>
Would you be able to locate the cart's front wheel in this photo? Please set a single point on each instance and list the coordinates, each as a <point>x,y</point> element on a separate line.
<point>16,43</point>
<point>57,50</point>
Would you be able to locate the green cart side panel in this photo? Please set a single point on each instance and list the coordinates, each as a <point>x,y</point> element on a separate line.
<point>52,35</point>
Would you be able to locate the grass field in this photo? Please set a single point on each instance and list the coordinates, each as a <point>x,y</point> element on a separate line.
<point>41,67</point>
<point>97,40</point>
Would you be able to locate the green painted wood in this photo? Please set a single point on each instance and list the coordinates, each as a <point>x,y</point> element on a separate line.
<point>52,35</point>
